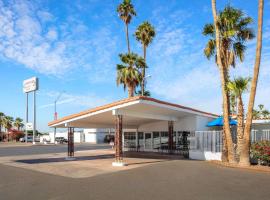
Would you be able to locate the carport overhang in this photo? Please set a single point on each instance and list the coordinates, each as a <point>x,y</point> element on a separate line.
<point>135,111</point>
<point>126,114</point>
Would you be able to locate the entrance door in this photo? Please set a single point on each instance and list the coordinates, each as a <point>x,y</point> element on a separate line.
<point>148,141</point>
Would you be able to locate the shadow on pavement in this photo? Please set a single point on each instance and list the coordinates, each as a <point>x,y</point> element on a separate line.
<point>61,159</point>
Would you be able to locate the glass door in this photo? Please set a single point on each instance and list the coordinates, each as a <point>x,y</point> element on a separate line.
<point>148,141</point>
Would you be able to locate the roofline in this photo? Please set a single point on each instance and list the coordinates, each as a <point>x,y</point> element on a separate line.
<point>124,101</point>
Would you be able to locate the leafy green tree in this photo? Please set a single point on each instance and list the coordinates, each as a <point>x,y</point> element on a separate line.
<point>144,34</point>
<point>126,11</point>
<point>128,72</point>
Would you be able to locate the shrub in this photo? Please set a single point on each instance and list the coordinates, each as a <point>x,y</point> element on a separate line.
<point>261,151</point>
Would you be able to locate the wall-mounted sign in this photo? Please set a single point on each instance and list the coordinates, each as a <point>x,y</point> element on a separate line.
<point>29,126</point>
<point>30,85</point>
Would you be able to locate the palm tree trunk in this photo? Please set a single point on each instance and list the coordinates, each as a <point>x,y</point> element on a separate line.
<point>130,91</point>
<point>143,71</point>
<point>244,156</point>
<point>222,70</point>
<point>127,36</point>
<point>240,124</point>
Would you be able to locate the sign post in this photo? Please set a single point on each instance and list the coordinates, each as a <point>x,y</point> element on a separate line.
<point>26,119</point>
<point>30,85</point>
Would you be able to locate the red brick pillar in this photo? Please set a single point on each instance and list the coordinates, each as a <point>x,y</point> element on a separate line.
<point>118,138</point>
<point>170,136</point>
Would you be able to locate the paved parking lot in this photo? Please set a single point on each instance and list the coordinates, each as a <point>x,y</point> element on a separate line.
<point>167,179</point>
<point>16,149</point>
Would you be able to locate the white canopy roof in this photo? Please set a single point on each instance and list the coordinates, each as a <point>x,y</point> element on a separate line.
<point>136,111</point>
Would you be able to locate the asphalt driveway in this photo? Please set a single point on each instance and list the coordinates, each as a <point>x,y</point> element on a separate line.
<point>28,149</point>
<point>176,179</point>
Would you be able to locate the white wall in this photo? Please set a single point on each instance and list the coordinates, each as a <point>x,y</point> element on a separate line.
<point>186,124</point>
<point>189,123</point>
<point>155,126</point>
<point>96,136</point>
<point>91,138</point>
<point>204,155</point>
<point>78,137</point>
<point>202,122</point>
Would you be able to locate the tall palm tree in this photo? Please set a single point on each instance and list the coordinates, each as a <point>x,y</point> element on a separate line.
<point>238,86</point>
<point>128,73</point>
<point>18,123</point>
<point>145,34</point>
<point>228,35</point>
<point>244,156</point>
<point>234,32</point>
<point>126,11</point>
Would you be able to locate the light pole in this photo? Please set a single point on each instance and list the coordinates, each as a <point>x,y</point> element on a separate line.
<point>55,112</point>
<point>146,77</point>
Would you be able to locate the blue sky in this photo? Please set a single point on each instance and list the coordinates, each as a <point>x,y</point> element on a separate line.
<point>73,46</point>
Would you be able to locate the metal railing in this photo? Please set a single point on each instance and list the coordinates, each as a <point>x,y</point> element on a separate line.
<point>257,135</point>
<point>212,140</point>
<point>206,141</point>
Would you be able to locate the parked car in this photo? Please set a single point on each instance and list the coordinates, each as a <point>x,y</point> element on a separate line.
<point>61,140</point>
<point>29,139</point>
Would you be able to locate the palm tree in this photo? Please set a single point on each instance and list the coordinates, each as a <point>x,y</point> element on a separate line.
<point>232,103</point>
<point>1,124</point>
<point>7,122</point>
<point>234,33</point>
<point>265,114</point>
<point>244,156</point>
<point>255,114</point>
<point>18,123</point>
<point>146,93</point>
<point>261,109</point>
<point>228,35</point>
<point>238,86</point>
<point>145,34</point>
<point>126,11</point>
<point>128,73</point>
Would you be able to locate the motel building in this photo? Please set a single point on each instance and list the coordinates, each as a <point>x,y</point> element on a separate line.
<point>144,124</point>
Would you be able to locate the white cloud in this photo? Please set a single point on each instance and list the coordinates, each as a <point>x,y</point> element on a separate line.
<point>45,16</point>
<point>27,37</point>
<point>52,35</point>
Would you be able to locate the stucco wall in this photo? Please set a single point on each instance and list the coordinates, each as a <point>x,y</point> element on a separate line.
<point>190,123</point>
<point>202,122</point>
